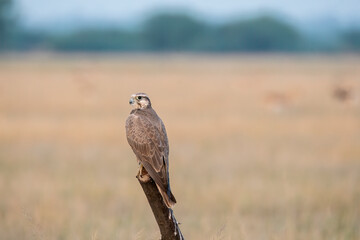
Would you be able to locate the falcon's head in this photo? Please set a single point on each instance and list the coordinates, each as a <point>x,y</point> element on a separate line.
<point>140,101</point>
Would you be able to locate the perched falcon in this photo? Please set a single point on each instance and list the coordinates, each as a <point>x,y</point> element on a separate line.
<point>147,137</point>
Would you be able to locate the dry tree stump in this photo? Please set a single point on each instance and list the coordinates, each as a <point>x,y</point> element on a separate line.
<point>169,227</point>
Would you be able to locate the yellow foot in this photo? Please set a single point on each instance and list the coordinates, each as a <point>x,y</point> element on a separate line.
<point>143,175</point>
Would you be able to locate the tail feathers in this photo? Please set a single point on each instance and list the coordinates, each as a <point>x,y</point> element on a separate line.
<point>168,197</point>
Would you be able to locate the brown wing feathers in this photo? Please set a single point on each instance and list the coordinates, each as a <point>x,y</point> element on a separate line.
<point>150,147</point>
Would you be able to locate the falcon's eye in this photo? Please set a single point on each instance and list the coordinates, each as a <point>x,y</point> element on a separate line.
<point>139,97</point>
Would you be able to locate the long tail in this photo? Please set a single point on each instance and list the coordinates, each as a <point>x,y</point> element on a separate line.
<point>168,197</point>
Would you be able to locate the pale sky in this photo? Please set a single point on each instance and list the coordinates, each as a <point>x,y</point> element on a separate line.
<point>43,11</point>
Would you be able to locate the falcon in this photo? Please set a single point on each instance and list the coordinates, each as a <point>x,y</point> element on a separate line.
<point>147,137</point>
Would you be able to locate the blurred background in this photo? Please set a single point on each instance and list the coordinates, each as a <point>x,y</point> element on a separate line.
<point>261,101</point>
<point>200,26</point>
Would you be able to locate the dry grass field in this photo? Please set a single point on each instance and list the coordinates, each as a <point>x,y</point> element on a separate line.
<point>261,147</point>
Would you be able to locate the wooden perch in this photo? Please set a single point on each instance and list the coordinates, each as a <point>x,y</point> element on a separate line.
<point>169,227</point>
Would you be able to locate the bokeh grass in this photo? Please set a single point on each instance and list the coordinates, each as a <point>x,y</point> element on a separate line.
<point>259,147</point>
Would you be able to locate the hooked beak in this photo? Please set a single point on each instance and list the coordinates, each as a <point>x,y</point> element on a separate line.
<point>131,101</point>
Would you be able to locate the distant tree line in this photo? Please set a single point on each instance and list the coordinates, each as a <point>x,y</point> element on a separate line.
<point>6,23</point>
<point>173,32</point>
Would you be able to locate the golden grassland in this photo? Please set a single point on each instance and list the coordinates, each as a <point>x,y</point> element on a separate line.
<point>259,146</point>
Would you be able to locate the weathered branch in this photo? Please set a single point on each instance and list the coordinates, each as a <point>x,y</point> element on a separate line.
<point>169,227</point>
